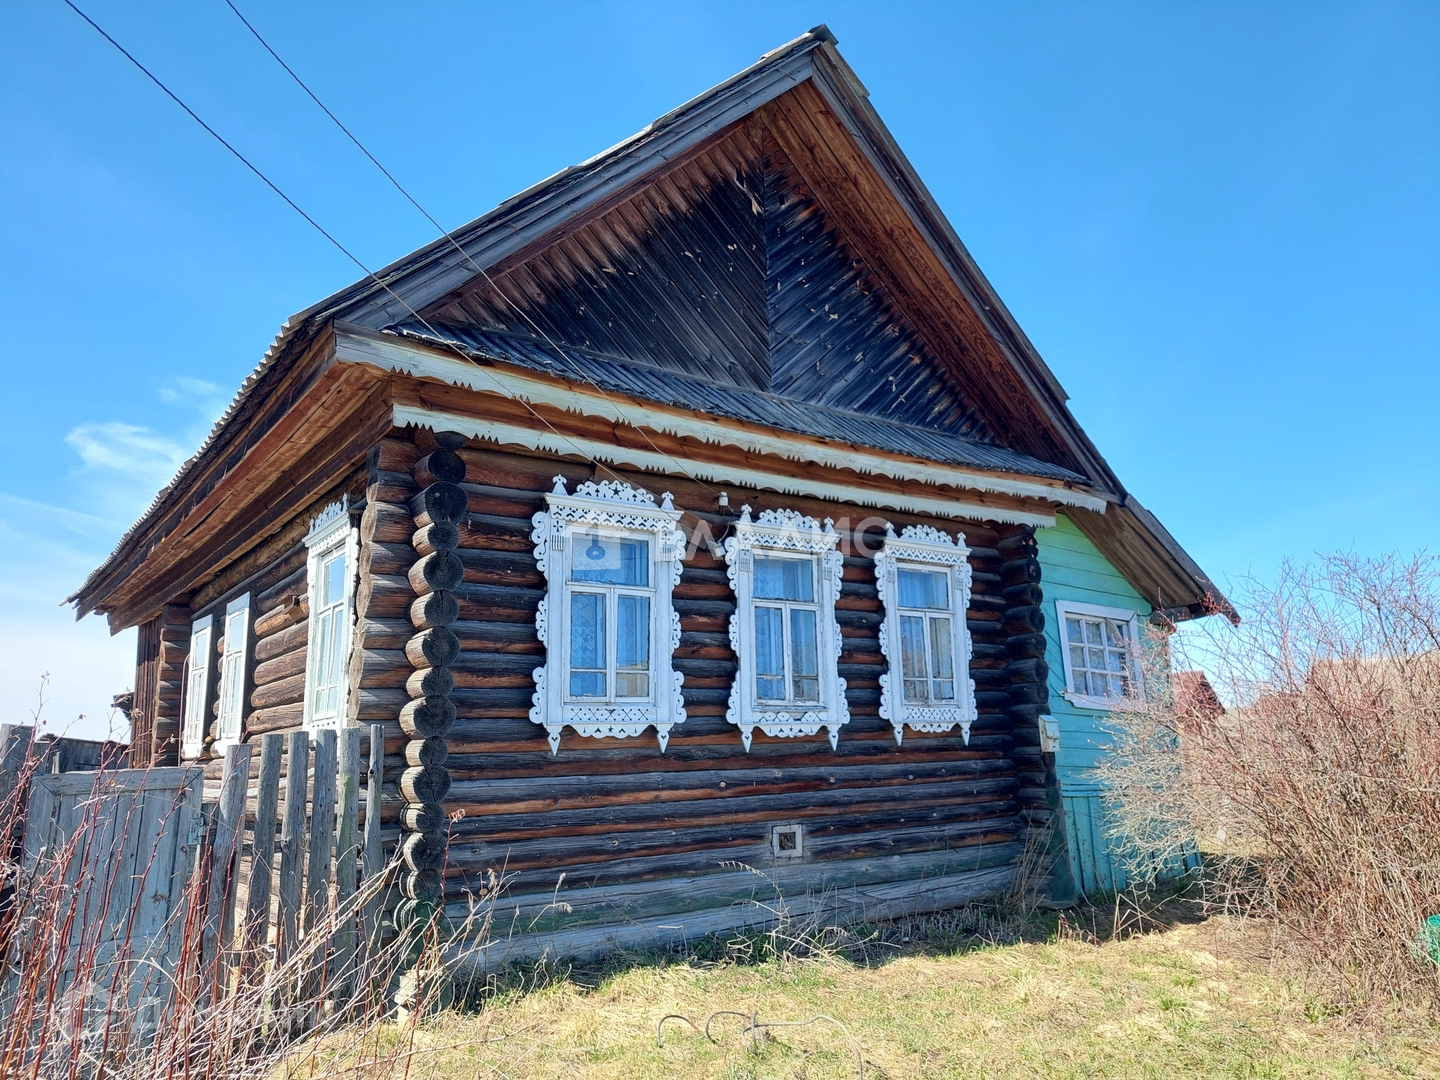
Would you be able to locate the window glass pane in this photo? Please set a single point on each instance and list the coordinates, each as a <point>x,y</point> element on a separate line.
<point>785,579</point>
<point>610,560</point>
<point>333,580</point>
<point>804,662</point>
<point>1092,632</point>
<point>944,689</point>
<point>632,646</point>
<point>942,655</point>
<point>770,653</point>
<point>912,657</point>
<point>924,589</point>
<point>1073,631</point>
<point>587,644</point>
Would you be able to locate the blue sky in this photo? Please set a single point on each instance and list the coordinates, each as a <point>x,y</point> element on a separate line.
<point>1219,223</point>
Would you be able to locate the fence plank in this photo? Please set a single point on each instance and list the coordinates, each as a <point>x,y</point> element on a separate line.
<point>322,824</point>
<point>225,855</point>
<point>374,865</point>
<point>346,856</point>
<point>292,844</point>
<point>262,860</point>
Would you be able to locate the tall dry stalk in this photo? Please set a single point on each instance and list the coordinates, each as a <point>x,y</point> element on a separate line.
<point>1318,792</point>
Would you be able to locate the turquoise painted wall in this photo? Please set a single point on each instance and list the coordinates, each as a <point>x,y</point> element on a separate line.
<point>1072,568</point>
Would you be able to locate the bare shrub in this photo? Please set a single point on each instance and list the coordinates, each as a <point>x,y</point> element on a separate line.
<point>1317,795</point>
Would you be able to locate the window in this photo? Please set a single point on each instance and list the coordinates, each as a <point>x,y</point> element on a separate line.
<point>924,580</point>
<point>785,570</point>
<point>232,671</point>
<point>331,570</point>
<point>611,558</point>
<point>197,686</point>
<point>1098,646</point>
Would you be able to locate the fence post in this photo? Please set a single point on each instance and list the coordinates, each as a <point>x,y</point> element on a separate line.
<point>262,859</point>
<point>225,859</point>
<point>374,850</point>
<point>292,845</point>
<point>346,861</point>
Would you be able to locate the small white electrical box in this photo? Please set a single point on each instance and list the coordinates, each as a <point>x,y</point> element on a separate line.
<point>1049,734</point>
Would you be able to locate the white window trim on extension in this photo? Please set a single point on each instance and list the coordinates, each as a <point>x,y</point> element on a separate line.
<point>618,511</point>
<point>924,548</point>
<point>1130,619</point>
<point>232,672</point>
<point>785,534</point>
<point>330,532</point>
<point>197,685</point>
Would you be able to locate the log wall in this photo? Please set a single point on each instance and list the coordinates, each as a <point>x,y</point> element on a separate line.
<point>632,829</point>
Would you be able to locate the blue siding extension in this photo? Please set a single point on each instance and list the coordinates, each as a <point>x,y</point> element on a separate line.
<point>1072,568</point>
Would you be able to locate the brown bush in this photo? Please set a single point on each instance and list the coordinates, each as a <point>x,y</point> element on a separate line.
<point>1316,796</point>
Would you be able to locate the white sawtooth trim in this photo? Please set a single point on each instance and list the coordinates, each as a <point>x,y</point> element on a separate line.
<point>402,357</point>
<point>651,461</point>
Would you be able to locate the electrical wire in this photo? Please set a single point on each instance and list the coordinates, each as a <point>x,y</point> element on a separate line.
<point>321,230</point>
<point>579,371</point>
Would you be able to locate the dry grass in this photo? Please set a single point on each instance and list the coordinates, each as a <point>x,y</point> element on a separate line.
<point>1192,999</point>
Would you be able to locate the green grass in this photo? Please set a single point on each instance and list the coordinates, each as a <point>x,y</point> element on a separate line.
<point>1193,1000</point>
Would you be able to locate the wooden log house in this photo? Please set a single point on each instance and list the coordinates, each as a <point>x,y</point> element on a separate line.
<point>678,520</point>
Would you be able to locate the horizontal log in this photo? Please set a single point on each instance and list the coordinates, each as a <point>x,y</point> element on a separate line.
<point>394,453</point>
<point>267,599</point>
<point>372,705</point>
<point>393,560</point>
<point>383,596</point>
<point>295,636</point>
<point>296,610</point>
<point>284,692</point>
<point>386,523</point>
<point>281,667</point>
<point>276,718</point>
<point>496,533</point>
<point>499,826</point>
<point>380,668</point>
<point>429,682</point>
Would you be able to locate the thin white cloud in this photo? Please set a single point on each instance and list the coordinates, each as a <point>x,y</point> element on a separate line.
<point>207,398</point>
<point>133,451</point>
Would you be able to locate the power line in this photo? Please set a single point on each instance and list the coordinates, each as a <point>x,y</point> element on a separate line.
<point>346,251</point>
<point>455,244</point>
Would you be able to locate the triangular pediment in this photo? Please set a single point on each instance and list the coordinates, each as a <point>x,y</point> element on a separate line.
<point>726,268</point>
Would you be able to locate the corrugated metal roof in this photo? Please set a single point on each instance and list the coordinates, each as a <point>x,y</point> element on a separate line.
<point>698,395</point>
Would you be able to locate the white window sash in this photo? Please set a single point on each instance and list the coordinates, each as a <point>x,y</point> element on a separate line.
<point>331,625</point>
<point>1093,612</point>
<point>232,672</point>
<point>785,533</point>
<point>197,686</point>
<point>927,549</point>
<point>620,511</point>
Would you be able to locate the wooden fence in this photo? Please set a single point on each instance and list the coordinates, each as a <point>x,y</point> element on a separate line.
<point>286,866</point>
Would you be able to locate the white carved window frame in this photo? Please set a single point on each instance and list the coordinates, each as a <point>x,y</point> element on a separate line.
<point>616,509</point>
<point>925,548</point>
<point>330,532</point>
<point>1131,620</point>
<point>785,532</point>
<point>197,685</point>
<point>236,635</point>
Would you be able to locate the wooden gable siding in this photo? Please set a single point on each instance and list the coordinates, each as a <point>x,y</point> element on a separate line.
<point>727,267</point>
<point>611,814</point>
